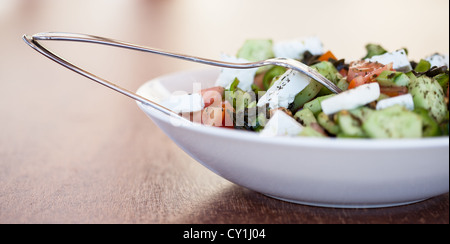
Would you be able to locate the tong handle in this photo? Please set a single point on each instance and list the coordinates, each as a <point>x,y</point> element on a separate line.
<point>61,36</point>
<point>32,41</point>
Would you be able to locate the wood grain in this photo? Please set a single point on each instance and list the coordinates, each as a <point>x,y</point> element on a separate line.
<point>72,151</point>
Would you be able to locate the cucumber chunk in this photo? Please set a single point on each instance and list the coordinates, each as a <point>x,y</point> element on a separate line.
<point>310,91</point>
<point>305,117</point>
<point>349,126</point>
<point>310,132</point>
<point>393,78</point>
<point>442,79</point>
<point>428,94</point>
<point>328,124</point>
<point>422,66</point>
<point>271,74</point>
<point>326,69</point>
<point>393,122</point>
<point>315,104</point>
<point>361,113</point>
<point>429,125</point>
<point>256,50</point>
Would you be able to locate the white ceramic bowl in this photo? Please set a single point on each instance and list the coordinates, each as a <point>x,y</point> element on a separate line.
<point>356,173</point>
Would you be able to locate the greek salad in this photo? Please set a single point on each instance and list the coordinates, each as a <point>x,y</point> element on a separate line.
<point>385,94</point>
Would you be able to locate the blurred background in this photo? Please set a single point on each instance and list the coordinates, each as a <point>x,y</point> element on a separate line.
<point>46,111</point>
<point>203,28</point>
<point>208,27</point>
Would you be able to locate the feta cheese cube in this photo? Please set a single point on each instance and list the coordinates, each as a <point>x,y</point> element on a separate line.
<point>281,124</point>
<point>296,48</point>
<point>398,58</point>
<point>438,60</point>
<point>283,91</point>
<point>245,76</point>
<point>352,98</point>
<point>184,103</point>
<point>404,100</point>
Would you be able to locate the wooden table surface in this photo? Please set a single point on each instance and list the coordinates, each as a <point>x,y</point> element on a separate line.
<point>72,151</point>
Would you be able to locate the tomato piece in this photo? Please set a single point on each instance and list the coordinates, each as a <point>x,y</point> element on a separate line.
<point>326,56</point>
<point>212,96</point>
<point>362,68</point>
<point>218,116</point>
<point>216,113</point>
<point>357,81</point>
<point>259,81</point>
<point>362,72</point>
<point>343,72</point>
<point>377,72</point>
<point>393,91</point>
<point>212,116</point>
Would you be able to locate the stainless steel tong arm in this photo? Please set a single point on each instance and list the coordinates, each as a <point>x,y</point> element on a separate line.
<point>33,41</point>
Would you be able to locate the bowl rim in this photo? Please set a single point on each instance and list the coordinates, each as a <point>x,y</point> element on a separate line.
<point>330,143</point>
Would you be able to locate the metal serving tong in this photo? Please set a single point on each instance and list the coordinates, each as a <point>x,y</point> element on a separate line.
<point>32,41</point>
